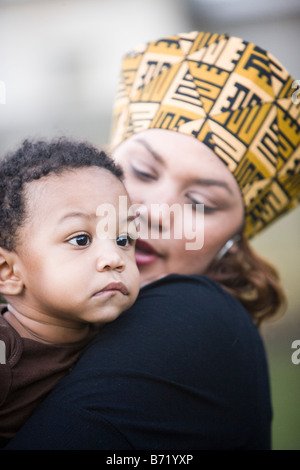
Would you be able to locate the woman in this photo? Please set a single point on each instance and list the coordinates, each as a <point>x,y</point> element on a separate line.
<point>200,119</point>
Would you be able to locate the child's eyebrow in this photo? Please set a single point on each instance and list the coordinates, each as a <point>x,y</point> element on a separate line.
<point>84,215</point>
<point>76,214</point>
<point>129,218</point>
<point>132,217</point>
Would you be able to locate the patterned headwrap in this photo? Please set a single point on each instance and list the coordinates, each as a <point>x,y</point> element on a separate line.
<point>228,93</point>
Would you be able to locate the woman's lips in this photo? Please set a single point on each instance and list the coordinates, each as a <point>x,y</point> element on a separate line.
<point>144,253</point>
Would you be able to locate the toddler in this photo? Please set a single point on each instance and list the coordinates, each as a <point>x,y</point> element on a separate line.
<point>60,278</point>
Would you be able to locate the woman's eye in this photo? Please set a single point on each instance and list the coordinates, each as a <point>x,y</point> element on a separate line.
<point>207,209</point>
<point>80,240</point>
<point>142,174</point>
<point>196,203</point>
<point>124,240</point>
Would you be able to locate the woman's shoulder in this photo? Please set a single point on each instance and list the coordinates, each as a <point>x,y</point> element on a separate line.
<point>193,292</point>
<point>184,357</point>
<point>187,280</point>
<point>188,321</point>
<point>192,307</point>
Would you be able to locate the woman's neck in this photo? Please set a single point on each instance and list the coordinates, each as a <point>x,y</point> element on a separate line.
<point>44,332</point>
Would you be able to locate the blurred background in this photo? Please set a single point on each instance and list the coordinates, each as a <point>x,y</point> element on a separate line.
<point>59,65</point>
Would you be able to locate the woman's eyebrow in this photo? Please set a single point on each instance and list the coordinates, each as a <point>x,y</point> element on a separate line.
<point>150,149</point>
<point>202,181</point>
<point>213,182</point>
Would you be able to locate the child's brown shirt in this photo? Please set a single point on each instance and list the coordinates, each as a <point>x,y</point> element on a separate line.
<point>28,371</point>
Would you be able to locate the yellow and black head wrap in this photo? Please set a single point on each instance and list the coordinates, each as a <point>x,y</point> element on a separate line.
<point>228,93</point>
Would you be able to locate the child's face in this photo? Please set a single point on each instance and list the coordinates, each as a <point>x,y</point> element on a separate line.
<point>67,262</point>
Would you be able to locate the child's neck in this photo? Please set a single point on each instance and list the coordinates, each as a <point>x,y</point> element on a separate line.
<point>51,333</point>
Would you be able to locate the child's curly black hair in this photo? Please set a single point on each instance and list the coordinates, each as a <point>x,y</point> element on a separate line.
<point>32,161</point>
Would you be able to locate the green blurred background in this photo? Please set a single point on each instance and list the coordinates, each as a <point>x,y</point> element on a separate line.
<point>59,63</point>
<point>280,244</point>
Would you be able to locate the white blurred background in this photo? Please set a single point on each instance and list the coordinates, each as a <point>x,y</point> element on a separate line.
<point>59,65</point>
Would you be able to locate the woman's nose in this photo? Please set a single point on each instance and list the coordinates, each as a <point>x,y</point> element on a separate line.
<point>109,258</point>
<point>157,209</point>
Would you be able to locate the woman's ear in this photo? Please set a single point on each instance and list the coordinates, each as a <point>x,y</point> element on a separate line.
<point>234,248</point>
<point>11,282</point>
<point>231,246</point>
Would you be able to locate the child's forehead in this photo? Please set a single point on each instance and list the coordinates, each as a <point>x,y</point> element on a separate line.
<point>92,184</point>
<point>68,176</point>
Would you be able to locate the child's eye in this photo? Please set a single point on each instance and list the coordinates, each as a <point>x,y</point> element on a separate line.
<point>124,240</point>
<point>80,240</point>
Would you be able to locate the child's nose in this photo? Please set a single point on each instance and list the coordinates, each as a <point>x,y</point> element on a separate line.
<point>110,259</point>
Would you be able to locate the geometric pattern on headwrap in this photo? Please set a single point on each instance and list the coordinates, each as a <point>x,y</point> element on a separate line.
<point>228,93</point>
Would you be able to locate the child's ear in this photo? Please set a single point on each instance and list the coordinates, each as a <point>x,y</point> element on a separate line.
<point>10,279</point>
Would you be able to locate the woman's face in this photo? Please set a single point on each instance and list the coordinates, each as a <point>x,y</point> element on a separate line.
<point>169,169</point>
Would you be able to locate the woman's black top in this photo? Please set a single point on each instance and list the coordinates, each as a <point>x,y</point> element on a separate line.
<point>184,368</point>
